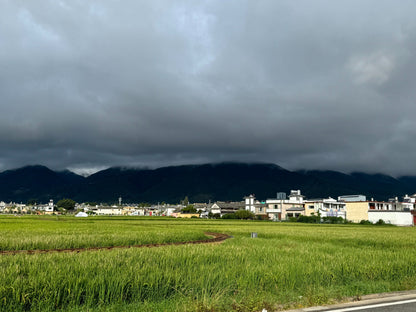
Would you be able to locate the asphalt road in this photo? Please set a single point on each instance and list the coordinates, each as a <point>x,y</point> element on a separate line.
<point>404,301</point>
<point>397,306</point>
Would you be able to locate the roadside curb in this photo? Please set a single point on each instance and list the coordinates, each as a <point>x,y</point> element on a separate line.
<point>363,300</point>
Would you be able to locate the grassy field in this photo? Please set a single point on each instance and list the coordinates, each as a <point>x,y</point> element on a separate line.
<point>288,265</point>
<point>50,232</point>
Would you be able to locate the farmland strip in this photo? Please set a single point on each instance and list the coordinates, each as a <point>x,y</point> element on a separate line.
<point>216,237</point>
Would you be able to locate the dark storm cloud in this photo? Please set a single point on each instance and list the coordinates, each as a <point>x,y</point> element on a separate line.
<point>317,85</point>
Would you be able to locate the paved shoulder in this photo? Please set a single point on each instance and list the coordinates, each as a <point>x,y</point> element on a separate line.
<point>404,301</point>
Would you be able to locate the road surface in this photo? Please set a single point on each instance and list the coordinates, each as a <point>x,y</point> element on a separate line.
<point>396,306</point>
<point>388,302</point>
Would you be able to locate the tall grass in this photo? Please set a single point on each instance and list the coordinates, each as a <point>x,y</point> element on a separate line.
<point>51,232</point>
<point>288,265</point>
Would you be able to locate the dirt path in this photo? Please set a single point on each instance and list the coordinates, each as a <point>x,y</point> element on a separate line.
<point>216,238</point>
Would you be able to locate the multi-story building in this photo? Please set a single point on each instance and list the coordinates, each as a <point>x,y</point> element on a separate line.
<point>326,207</point>
<point>392,212</point>
<point>282,208</point>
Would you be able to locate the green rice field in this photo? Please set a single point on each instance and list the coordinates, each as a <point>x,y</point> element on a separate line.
<point>289,265</point>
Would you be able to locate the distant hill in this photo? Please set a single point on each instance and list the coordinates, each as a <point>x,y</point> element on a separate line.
<point>36,182</point>
<point>201,183</point>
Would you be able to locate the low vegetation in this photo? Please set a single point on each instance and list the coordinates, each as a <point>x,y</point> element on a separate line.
<point>288,265</point>
<point>52,232</point>
<point>240,214</point>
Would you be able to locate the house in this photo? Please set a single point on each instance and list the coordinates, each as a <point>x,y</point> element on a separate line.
<point>392,212</point>
<point>357,210</point>
<point>46,209</point>
<point>185,215</point>
<point>294,212</point>
<point>279,208</point>
<point>18,208</point>
<point>409,202</point>
<point>282,208</point>
<point>249,203</point>
<point>154,210</point>
<point>49,209</point>
<point>200,206</point>
<point>399,206</point>
<point>326,207</point>
<point>352,198</point>
<point>255,206</point>
<point>108,210</point>
<point>168,210</point>
<point>138,211</point>
<point>226,207</point>
<point>128,210</point>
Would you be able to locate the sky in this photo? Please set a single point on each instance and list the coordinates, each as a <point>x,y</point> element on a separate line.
<point>322,84</point>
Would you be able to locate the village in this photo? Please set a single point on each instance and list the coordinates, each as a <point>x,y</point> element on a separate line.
<point>283,207</point>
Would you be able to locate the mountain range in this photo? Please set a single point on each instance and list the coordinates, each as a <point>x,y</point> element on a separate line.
<point>201,183</point>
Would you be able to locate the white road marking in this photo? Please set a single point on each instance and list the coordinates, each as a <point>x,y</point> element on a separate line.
<point>380,305</point>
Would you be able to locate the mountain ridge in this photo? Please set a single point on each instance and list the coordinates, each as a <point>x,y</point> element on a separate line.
<point>201,183</point>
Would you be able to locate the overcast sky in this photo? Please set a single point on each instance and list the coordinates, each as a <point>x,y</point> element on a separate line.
<point>316,84</point>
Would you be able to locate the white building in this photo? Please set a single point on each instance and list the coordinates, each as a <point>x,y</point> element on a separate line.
<point>281,208</point>
<point>168,210</point>
<point>108,211</point>
<point>409,202</point>
<point>49,207</point>
<point>326,207</point>
<point>249,203</point>
<point>400,218</point>
<point>352,198</point>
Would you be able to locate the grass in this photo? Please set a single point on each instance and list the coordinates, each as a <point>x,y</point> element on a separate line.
<point>287,266</point>
<point>51,232</point>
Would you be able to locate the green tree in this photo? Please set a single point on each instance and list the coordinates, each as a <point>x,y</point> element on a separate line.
<point>186,201</point>
<point>244,214</point>
<point>189,209</point>
<point>144,205</point>
<point>91,203</point>
<point>66,203</point>
<point>32,202</point>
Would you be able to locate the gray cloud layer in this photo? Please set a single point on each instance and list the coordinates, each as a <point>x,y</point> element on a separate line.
<point>304,84</point>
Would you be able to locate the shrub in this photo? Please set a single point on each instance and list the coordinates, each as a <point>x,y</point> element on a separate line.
<point>189,209</point>
<point>244,214</point>
<point>308,219</point>
<point>229,216</point>
<point>380,222</point>
<point>333,220</point>
<point>216,216</point>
